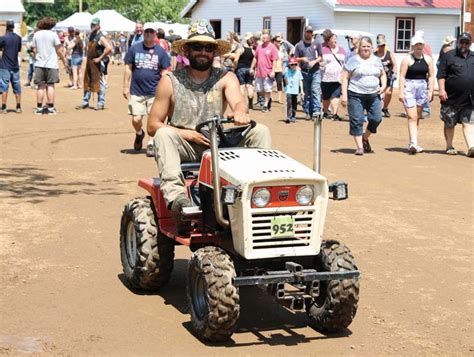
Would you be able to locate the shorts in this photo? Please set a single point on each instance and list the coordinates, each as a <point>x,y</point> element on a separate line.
<point>140,105</point>
<point>452,115</point>
<point>357,105</point>
<point>390,80</point>
<point>7,76</point>
<point>330,90</point>
<point>416,92</point>
<point>264,84</point>
<point>46,75</point>
<point>244,76</point>
<point>279,81</point>
<point>76,61</point>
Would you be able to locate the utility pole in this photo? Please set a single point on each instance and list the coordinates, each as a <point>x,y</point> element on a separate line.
<point>80,5</point>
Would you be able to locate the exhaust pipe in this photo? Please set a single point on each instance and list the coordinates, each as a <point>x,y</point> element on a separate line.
<point>215,177</point>
<point>317,143</point>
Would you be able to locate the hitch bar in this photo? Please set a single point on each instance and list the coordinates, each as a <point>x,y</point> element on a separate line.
<point>295,276</point>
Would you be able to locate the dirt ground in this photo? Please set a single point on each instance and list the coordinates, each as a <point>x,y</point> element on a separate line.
<point>65,179</point>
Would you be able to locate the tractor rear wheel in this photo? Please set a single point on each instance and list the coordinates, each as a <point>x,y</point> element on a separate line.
<point>147,255</point>
<point>336,305</point>
<point>212,296</point>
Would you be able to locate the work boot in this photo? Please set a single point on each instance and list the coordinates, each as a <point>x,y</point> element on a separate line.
<point>183,226</point>
<point>138,143</point>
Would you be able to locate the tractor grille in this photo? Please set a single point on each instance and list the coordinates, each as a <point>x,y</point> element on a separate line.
<point>262,233</point>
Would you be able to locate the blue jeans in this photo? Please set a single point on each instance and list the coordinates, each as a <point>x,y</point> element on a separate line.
<point>357,105</point>
<point>101,95</point>
<point>8,76</point>
<point>312,92</point>
<point>31,71</point>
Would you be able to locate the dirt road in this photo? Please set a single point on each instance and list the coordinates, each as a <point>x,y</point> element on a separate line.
<point>65,179</point>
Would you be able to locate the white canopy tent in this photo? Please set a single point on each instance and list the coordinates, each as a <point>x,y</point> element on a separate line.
<point>79,20</point>
<point>112,21</point>
<point>11,10</point>
<point>179,29</point>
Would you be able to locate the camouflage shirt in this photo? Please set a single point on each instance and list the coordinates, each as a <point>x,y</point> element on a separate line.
<point>195,103</point>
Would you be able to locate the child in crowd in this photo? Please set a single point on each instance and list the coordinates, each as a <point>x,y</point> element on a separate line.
<point>293,81</point>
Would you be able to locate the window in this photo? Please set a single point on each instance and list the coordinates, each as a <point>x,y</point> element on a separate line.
<point>237,26</point>
<point>404,30</point>
<point>267,23</point>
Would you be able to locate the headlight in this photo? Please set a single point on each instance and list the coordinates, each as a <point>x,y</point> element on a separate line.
<point>304,195</point>
<point>261,197</point>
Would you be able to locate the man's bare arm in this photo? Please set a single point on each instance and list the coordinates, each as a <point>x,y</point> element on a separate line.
<point>127,74</point>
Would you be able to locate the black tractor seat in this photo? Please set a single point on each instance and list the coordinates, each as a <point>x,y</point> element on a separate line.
<point>190,166</point>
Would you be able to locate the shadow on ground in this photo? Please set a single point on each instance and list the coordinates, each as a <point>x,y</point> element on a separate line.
<point>405,151</point>
<point>30,184</point>
<point>269,323</point>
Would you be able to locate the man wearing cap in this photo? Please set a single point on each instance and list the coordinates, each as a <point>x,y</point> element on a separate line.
<point>10,46</point>
<point>94,81</point>
<point>456,92</point>
<point>145,64</point>
<point>308,52</point>
<point>187,97</point>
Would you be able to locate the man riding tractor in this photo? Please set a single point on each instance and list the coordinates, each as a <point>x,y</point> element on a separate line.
<point>186,98</point>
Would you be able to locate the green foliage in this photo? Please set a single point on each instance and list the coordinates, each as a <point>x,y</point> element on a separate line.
<point>145,10</point>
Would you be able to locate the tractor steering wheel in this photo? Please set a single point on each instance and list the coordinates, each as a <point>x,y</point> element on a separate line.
<point>227,138</point>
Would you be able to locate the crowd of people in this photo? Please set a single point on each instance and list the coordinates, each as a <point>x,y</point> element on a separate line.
<point>318,74</point>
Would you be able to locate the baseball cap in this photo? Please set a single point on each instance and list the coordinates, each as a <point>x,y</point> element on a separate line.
<point>95,21</point>
<point>308,29</point>
<point>417,39</point>
<point>466,36</point>
<point>381,41</point>
<point>70,29</point>
<point>149,26</point>
<point>292,60</point>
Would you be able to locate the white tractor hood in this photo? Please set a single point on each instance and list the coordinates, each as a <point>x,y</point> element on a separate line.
<point>241,166</point>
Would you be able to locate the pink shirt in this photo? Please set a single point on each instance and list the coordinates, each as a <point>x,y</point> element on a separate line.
<point>265,56</point>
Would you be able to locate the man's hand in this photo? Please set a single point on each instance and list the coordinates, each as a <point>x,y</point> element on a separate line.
<point>382,90</point>
<point>344,100</point>
<point>271,74</point>
<point>443,96</point>
<point>430,97</point>
<point>96,60</point>
<point>126,93</point>
<point>194,136</point>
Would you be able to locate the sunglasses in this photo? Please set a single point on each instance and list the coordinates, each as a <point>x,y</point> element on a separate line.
<point>464,42</point>
<point>293,64</point>
<point>197,47</point>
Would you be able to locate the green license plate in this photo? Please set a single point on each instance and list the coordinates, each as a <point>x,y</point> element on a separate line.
<point>283,226</point>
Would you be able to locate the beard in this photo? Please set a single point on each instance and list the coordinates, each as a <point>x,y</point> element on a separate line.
<point>200,63</point>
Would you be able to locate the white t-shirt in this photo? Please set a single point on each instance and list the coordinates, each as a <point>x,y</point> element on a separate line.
<point>45,42</point>
<point>365,74</point>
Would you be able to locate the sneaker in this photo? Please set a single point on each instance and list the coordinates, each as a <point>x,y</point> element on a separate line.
<point>470,152</point>
<point>292,120</point>
<point>386,113</point>
<point>138,144</point>
<point>359,152</point>
<point>308,117</point>
<point>265,109</point>
<point>328,116</point>
<point>414,149</point>
<point>425,115</point>
<point>27,85</point>
<point>366,145</point>
<point>82,106</point>
<point>39,111</point>
<point>183,226</point>
<point>4,111</point>
<point>150,149</point>
<point>51,111</point>
<point>451,151</point>
<point>336,118</point>
<point>18,110</point>
<point>403,115</point>
<point>99,107</point>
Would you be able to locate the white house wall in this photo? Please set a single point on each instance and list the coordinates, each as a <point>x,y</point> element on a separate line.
<point>251,14</point>
<point>15,16</point>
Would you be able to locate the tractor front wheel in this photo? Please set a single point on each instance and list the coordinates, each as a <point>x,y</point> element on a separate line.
<point>147,255</point>
<point>212,296</point>
<point>336,305</point>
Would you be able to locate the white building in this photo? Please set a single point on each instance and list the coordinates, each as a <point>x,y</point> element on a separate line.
<point>12,10</point>
<point>397,19</point>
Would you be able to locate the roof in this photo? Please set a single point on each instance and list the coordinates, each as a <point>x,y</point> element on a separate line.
<point>418,4</point>
<point>11,6</point>
<point>187,9</point>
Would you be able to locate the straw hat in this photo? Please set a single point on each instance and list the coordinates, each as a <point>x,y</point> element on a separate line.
<point>448,40</point>
<point>202,32</point>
